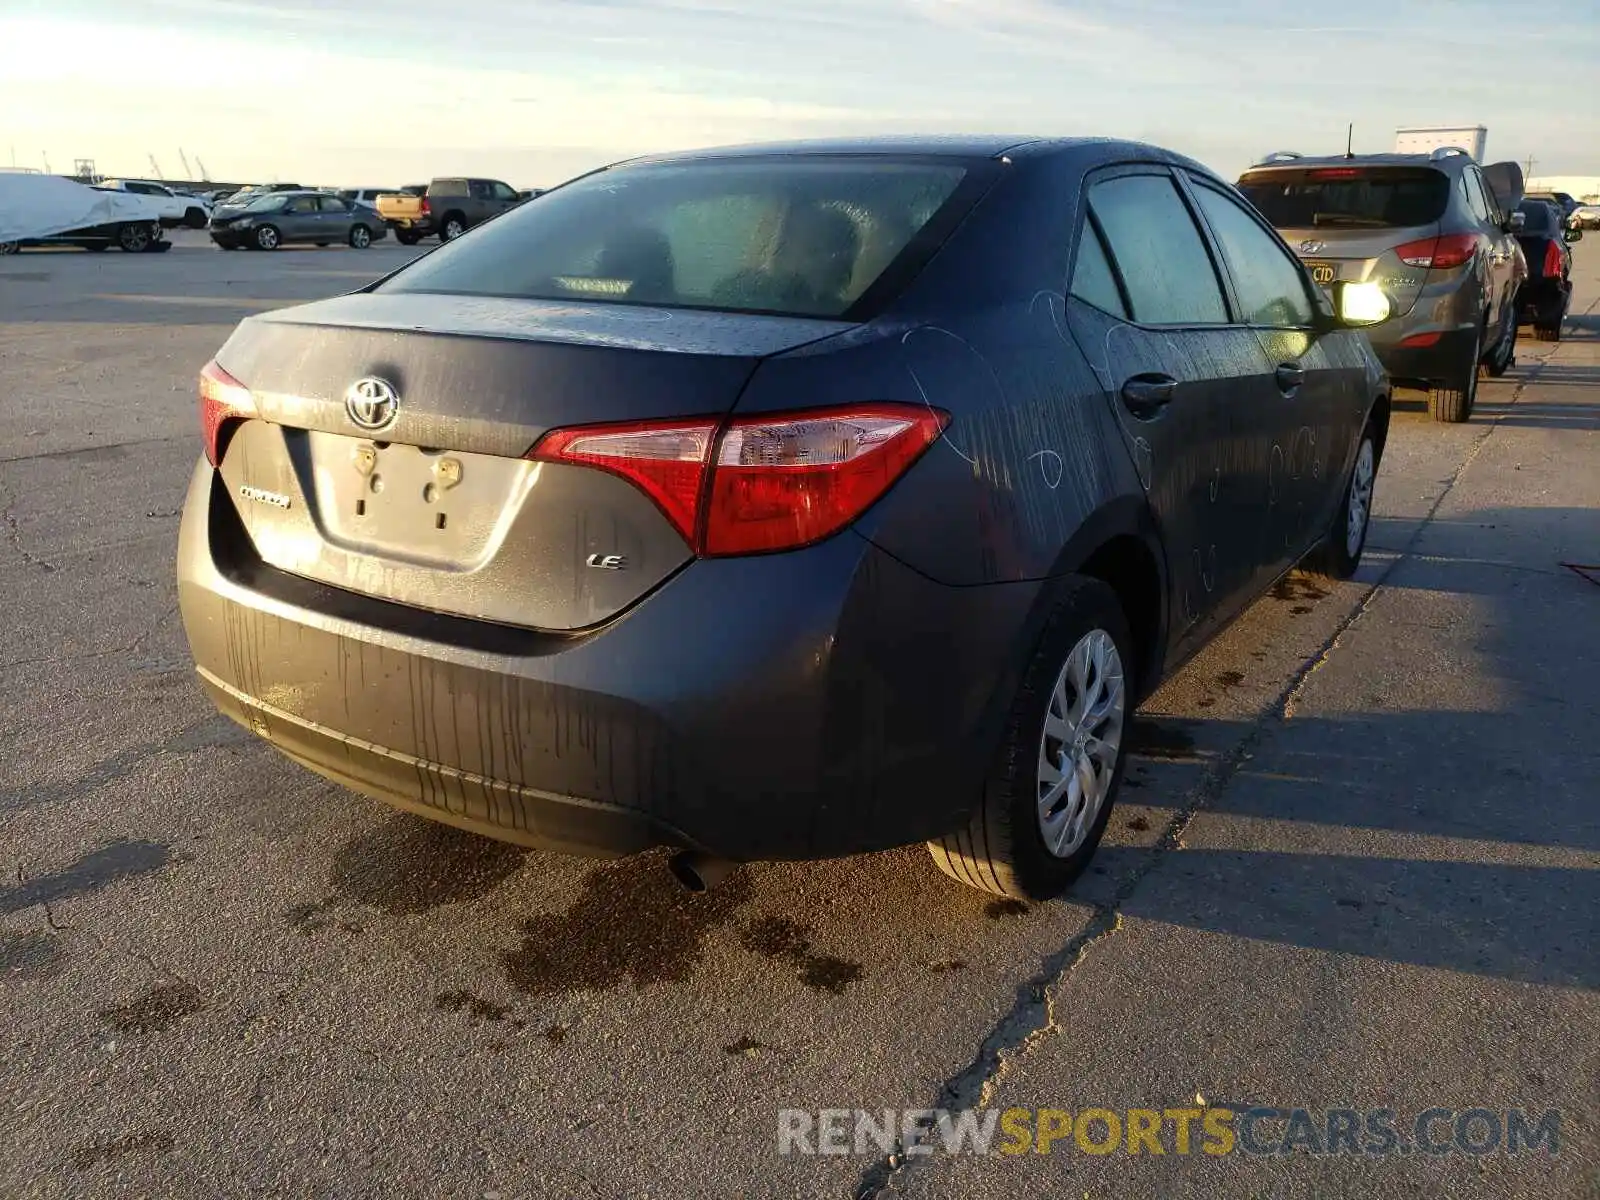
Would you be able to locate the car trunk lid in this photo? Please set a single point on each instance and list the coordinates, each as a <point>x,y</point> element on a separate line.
<point>438,507</point>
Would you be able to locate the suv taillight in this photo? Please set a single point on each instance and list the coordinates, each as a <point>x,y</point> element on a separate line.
<point>223,399</point>
<point>757,484</point>
<point>1552,260</point>
<point>1440,253</point>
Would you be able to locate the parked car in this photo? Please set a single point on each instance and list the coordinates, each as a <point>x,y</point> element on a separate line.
<point>281,218</point>
<point>779,502</point>
<point>1585,216</point>
<point>1433,230</point>
<point>245,196</point>
<point>364,196</point>
<point>49,210</point>
<point>1547,292</point>
<point>448,208</point>
<point>176,208</point>
<point>135,237</point>
<point>1564,201</point>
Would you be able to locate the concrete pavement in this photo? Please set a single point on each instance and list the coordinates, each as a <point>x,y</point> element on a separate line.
<point>1355,865</point>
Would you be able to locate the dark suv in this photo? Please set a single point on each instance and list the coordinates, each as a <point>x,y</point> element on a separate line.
<point>1435,231</point>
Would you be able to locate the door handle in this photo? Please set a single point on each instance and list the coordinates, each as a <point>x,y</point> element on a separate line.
<point>1290,376</point>
<point>1146,395</point>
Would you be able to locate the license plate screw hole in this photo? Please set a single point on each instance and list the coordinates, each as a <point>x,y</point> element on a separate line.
<point>438,521</point>
<point>361,508</point>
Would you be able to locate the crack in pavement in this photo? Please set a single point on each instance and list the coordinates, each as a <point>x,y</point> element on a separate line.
<point>43,454</point>
<point>1032,1015</point>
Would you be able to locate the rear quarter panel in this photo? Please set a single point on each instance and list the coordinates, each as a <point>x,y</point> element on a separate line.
<point>1032,453</point>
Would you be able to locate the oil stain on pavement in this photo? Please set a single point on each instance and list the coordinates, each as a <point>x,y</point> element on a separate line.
<point>409,865</point>
<point>627,925</point>
<point>156,1010</point>
<point>779,937</point>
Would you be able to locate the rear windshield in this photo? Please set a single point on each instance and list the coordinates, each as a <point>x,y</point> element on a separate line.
<point>1538,216</point>
<point>799,236</point>
<point>1349,197</point>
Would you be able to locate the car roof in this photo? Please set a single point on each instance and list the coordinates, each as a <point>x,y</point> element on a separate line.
<point>956,146</point>
<point>1316,162</point>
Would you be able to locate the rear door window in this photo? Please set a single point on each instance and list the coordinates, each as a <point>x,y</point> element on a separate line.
<point>1270,283</point>
<point>1159,251</point>
<point>334,204</point>
<point>448,187</point>
<point>802,235</point>
<point>1092,279</point>
<point>1348,197</point>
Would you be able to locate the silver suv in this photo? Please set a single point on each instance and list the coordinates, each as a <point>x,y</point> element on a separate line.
<point>1436,231</point>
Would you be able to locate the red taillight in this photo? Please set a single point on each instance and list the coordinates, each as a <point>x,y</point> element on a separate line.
<point>222,399</point>
<point>425,209</point>
<point>1418,341</point>
<point>1440,253</point>
<point>1552,261</point>
<point>665,460</point>
<point>766,483</point>
<point>1334,173</point>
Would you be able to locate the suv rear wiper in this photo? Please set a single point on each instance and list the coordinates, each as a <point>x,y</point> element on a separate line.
<point>1321,219</point>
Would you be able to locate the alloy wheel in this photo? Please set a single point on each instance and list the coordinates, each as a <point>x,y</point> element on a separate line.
<point>1082,737</point>
<point>1360,506</point>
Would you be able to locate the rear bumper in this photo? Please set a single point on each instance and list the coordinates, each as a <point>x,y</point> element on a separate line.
<point>1442,362</point>
<point>805,705</point>
<point>1543,300</point>
<point>422,226</point>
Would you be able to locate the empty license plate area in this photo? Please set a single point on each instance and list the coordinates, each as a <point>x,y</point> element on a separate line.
<point>439,508</point>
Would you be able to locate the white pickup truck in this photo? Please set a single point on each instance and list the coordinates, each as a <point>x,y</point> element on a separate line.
<point>176,208</point>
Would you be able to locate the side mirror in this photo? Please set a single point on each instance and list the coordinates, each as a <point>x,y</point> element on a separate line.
<point>1518,220</point>
<point>1574,234</point>
<point>1359,305</point>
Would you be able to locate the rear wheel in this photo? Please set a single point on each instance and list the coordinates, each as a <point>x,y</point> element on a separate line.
<point>1452,403</point>
<point>1340,552</point>
<point>10,247</point>
<point>405,237</point>
<point>1055,778</point>
<point>360,237</point>
<point>195,218</point>
<point>268,238</point>
<point>134,239</point>
<point>452,228</point>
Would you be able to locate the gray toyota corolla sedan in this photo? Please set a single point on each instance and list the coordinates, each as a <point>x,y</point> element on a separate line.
<point>781,501</point>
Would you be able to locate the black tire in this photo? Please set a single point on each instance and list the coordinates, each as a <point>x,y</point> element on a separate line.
<point>158,246</point>
<point>1002,849</point>
<point>1451,404</point>
<point>195,218</point>
<point>452,227</point>
<point>1547,333</point>
<point>406,237</point>
<point>267,237</point>
<point>7,248</point>
<point>97,247</point>
<point>134,238</point>
<point>1338,556</point>
<point>360,237</point>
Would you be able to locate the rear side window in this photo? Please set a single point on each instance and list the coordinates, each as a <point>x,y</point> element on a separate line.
<point>334,204</point>
<point>448,187</point>
<point>1092,279</point>
<point>1271,285</point>
<point>1476,200</point>
<point>1349,197</point>
<point>1157,247</point>
<point>794,235</point>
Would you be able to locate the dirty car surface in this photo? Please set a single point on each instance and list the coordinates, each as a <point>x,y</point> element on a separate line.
<point>777,502</point>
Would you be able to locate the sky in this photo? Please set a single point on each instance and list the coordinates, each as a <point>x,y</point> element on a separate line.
<point>379,93</point>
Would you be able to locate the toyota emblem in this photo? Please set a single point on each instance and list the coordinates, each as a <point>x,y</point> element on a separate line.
<point>371,403</point>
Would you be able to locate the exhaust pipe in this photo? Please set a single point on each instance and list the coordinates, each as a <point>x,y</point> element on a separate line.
<point>698,872</point>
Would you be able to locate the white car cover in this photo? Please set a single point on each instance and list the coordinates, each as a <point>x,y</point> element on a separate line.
<point>38,206</point>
